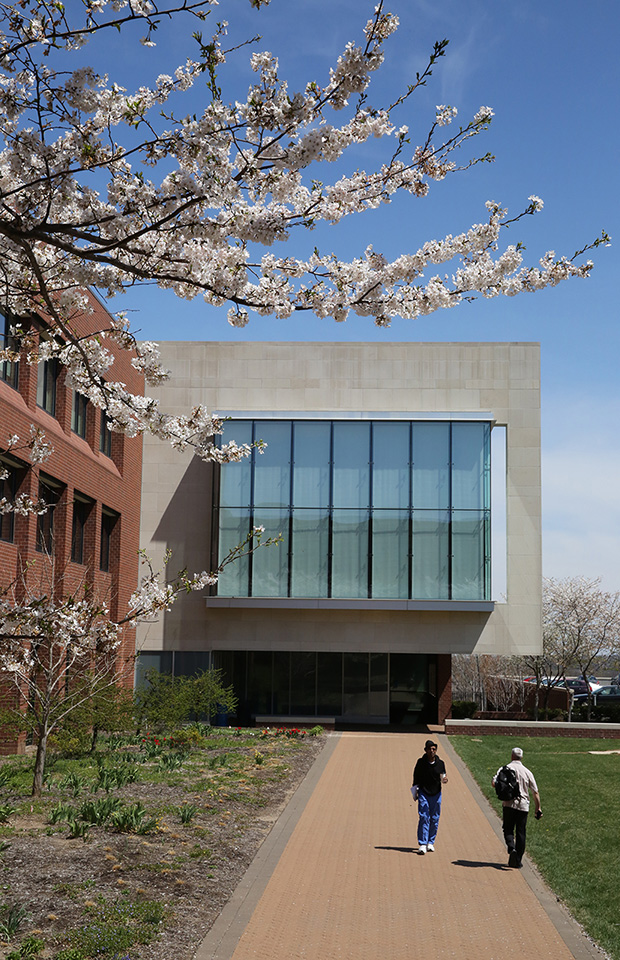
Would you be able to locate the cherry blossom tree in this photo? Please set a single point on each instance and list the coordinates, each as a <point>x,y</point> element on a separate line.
<point>59,648</point>
<point>581,626</point>
<point>108,188</point>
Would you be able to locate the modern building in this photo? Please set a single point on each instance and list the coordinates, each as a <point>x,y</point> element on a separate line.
<point>404,480</point>
<point>89,535</point>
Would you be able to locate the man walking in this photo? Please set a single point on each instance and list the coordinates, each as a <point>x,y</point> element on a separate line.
<point>428,776</point>
<point>514,812</point>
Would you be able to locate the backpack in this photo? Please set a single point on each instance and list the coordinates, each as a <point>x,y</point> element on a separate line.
<point>506,784</point>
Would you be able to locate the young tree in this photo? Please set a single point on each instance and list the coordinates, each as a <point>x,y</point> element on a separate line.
<point>582,625</point>
<point>61,651</point>
<point>109,188</point>
<point>165,702</point>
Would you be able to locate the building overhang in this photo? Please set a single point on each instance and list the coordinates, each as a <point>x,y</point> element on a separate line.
<point>309,603</point>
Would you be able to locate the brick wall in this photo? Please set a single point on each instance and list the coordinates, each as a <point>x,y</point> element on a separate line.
<point>516,728</point>
<point>78,466</point>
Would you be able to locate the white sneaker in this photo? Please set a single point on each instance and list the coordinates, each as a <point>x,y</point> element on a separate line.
<point>431,848</point>
<point>422,848</point>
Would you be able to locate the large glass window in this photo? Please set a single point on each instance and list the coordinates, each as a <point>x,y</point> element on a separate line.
<point>382,509</point>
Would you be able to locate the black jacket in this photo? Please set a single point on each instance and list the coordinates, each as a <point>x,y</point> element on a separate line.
<point>427,776</point>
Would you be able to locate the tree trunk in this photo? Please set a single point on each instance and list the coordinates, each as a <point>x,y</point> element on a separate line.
<point>39,764</point>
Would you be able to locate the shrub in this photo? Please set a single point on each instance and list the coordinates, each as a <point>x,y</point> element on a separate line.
<point>463,709</point>
<point>29,947</point>
<point>188,736</point>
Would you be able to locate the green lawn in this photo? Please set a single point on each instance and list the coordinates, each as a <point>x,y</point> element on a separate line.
<point>576,845</point>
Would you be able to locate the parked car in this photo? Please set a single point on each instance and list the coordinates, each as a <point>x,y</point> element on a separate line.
<point>608,693</point>
<point>578,685</point>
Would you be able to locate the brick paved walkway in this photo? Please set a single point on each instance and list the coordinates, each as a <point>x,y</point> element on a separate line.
<point>341,878</point>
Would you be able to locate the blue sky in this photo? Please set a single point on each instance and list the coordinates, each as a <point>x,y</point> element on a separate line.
<point>551,72</point>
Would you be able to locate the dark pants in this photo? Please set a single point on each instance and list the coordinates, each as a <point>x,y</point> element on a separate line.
<point>513,822</point>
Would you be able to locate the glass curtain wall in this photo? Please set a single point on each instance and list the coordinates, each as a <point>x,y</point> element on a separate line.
<point>365,509</point>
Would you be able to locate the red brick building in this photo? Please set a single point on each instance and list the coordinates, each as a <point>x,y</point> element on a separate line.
<point>91,482</point>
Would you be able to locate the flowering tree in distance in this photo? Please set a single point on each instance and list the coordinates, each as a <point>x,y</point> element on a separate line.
<point>581,626</point>
<point>109,188</point>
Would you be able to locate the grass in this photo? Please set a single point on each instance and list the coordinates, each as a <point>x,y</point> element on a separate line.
<point>576,845</point>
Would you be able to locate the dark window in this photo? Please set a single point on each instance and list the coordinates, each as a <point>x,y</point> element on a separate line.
<point>50,491</point>
<point>105,437</point>
<point>8,368</point>
<point>81,512</point>
<point>109,519</point>
<point>78,414</point>
<point>8,491</point>
<point>47,375</point>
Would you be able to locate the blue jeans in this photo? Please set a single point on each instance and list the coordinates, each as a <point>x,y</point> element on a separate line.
<point>429,809</point>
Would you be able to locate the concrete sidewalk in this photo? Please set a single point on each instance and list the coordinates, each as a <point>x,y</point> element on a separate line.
<point>339,877</point>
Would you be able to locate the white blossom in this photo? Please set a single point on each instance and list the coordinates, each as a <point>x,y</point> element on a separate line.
<point>201,203</point>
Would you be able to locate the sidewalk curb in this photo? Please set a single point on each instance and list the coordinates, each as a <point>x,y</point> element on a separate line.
<point>573,935</point>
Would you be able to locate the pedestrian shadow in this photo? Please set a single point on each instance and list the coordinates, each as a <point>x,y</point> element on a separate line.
<point>480,863</point>
<point>399,849</point>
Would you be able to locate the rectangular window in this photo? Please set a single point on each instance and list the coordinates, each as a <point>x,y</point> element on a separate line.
<point>390,554</point>
<point>431,555</point>
<point>351,481</point>
<point>8,491</point>
<point>105,436</point>
<point>310,553</point>
<point>350,554</point>
<point>47,376</point>
<point>82,507</point>
<point>270,563</point>
<point>8,368</point>
<point>236,478</point>
<point>109,521</point>
<point>234,579</point>
<point>311,464</point>
<point>50,491</point>
<point>78,414</point>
